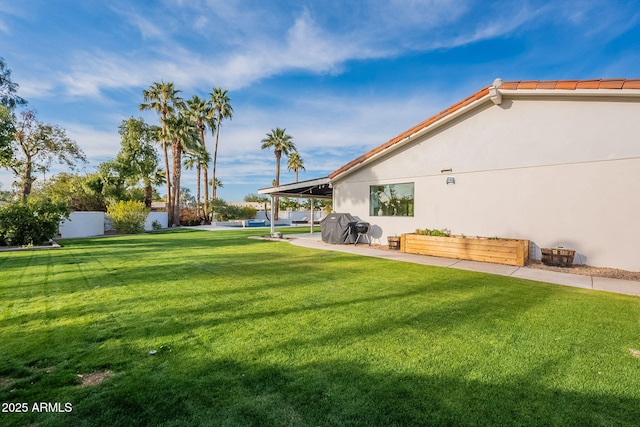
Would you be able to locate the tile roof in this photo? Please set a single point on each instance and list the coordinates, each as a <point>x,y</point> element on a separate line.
<point>504,86</point>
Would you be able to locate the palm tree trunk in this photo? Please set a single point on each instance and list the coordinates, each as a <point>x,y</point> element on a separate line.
<point>168,178</point>
<point>215,160</point>
<point>177,172</point>
<point>148,195</point>
<point>198,173</point>
<point>205,210</point>
<point>298,198</point>
<point>205,207</point>
<point>276,208</point>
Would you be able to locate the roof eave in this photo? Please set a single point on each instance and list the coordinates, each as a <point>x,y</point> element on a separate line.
<point>515,93</point>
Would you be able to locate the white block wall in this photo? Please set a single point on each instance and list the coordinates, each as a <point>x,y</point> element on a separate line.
<point>82,224</point>
<point>161,217</point>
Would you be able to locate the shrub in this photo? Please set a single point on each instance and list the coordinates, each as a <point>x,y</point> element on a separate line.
<point>224,212</point>
<point>440,233</point>
<point>189,216</point>
<point>30,223</point>
<point>247,212</point>
<point>128,217</point>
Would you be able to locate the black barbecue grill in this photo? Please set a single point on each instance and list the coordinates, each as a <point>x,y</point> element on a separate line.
<point>362,228</point>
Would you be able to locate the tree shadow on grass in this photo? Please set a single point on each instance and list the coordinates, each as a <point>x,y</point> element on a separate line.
<point>335,393</point>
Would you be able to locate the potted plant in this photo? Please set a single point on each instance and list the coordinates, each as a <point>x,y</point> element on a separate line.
<point>558,257</point>
<point>394,242</point>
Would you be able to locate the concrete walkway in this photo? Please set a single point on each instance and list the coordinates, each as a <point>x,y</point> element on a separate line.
<point>626,287</point>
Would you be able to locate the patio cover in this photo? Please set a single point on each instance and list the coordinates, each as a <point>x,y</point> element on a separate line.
<point>319,188</point>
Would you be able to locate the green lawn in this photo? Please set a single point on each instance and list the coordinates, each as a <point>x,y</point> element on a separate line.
<point>264,333</point>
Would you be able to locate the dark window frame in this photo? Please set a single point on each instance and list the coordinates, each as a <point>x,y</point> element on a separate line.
<point>397,199</point>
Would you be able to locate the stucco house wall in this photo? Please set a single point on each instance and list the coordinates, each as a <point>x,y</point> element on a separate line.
<point>557,170</point>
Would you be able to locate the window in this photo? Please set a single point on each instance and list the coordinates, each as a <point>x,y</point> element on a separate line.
<point>391,200</point>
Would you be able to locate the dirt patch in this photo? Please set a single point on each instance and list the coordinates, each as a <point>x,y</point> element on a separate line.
<point>583,270</point>
<point>587,270</point>
<point>94,378</point>
<point>7,383</point>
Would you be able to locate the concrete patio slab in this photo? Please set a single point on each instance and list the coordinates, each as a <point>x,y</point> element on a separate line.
<point>626,287</point>
<point>485,267</point>
<point>554,277</point>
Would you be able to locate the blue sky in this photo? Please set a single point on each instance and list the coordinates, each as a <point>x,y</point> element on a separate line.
<point>341,76</point>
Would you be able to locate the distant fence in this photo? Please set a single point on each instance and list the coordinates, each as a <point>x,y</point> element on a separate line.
<point>85,224</point>
<point>291,216</point>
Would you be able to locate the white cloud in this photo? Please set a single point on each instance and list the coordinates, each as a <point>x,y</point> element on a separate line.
<point>96,144</point>
<point>35,88</point>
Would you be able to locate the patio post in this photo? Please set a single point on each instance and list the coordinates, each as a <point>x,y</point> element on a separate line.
<point>272,222</point>
<point>312,202</point>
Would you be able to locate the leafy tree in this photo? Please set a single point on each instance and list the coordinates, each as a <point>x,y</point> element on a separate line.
<point>287,203</point>
<point>7,132</point>
<point>164,99</point>
<point>6,195</point>
<point>324,204</point>
<point>251,197</point>
<point>138,159</point>
<point>222,105</point>
<point>77,192</point>
<point>281,144</point>
<point>35,146</point>
<point>112,181</point>
<point>8,89</point>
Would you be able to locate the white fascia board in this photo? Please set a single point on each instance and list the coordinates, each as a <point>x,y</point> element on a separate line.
<point>625,93</point>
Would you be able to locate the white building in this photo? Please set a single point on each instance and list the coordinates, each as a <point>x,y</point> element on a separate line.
<point>554,162</point>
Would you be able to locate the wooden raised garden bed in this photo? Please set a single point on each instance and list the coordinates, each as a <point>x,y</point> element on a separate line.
<point>500,251</point>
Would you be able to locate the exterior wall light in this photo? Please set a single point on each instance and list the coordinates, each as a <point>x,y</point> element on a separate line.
<point>451,180</point>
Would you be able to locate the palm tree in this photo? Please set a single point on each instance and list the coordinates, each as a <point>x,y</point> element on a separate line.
<point>202,112</point>
<point>163,98</point>
<point>183,134</point>
<point>281,144</point>
<point>216,184</point>
<point>295,164</point>
<point>200,160</point>
<point>222,105</point>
